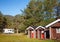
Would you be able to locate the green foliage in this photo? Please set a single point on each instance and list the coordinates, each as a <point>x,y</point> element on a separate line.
<point>9,21</point>
<point>18,22</point>
<point>2,22</point>
<point>48,8</point>
<point>35,14</point>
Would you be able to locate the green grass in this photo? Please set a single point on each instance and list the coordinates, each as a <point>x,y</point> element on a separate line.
<point>20,38</point>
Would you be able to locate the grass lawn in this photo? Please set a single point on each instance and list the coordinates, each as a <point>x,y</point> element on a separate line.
<point>20,38</point>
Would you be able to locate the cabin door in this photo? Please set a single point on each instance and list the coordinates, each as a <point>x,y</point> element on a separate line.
<point>42,35</point>
<point>47,34</point>
<point>32,34</point>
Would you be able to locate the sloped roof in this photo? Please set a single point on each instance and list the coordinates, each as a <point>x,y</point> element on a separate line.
<point>40,27</point>
<point>52,23</point>
<point>35,27</point>
<point>29,28</point>
<point>32,27</point>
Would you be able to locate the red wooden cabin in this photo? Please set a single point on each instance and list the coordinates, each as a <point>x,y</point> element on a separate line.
<point>31,31</point>
<point>52,30</point>
<point>40,32</point>
<point>36,32</point>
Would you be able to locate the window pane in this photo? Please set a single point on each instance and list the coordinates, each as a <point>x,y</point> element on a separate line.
<point>57,30</point>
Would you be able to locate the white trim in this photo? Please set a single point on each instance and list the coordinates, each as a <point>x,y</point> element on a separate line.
<point>52,23</point>
<point>34,34</point>
<point>50,32</point>
<point>40,27</point>
<point>45,35</point>
<point>38,34</point>
<point>30,27</point>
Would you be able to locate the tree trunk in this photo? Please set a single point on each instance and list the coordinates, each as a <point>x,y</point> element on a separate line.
<point>17,31</point>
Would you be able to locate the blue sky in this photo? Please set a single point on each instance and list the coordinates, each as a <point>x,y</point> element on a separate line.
<point>12,7</point>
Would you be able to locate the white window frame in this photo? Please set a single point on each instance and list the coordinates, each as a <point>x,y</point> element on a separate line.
<point>57,30</point>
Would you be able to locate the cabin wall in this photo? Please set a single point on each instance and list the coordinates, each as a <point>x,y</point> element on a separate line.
<point>58,36</point>
<point>38,34</point>
<point>31,34</point>
<point>53,33</point>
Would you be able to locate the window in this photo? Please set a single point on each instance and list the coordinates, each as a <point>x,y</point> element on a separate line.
<point>10,30</point>
<point>57,30</point>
